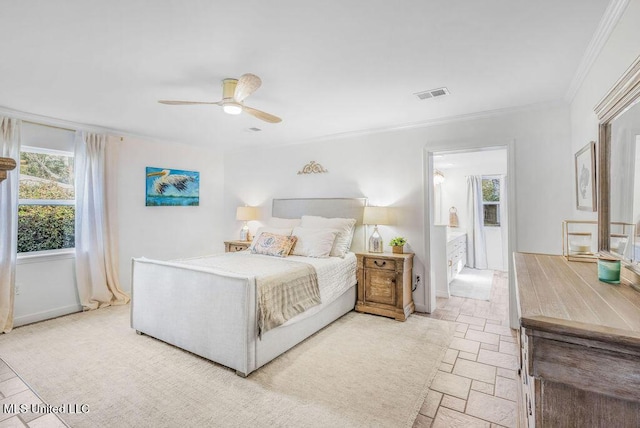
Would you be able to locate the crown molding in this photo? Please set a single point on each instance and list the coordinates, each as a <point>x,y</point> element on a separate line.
<point>427,123</point>
<point>413,125</point>
<point>49,121</point>
<point>609,20</point>
<point>76,126</point>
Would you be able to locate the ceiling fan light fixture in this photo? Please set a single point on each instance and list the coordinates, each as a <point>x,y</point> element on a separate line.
<point>234,91</point>
<point>232,108</point>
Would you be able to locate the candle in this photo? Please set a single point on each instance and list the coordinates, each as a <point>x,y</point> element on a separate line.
<point>609,271</point>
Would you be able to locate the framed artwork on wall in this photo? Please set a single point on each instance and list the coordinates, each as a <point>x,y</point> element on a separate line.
<point>586,178</point>
<point>172,187</point>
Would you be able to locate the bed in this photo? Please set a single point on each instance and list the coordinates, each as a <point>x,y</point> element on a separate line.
<point>213,312</point>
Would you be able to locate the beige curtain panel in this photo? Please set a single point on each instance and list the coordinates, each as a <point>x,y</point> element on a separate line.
<point>96,222</point>
<point>9,148</point>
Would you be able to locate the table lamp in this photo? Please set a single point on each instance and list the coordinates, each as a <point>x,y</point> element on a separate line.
<point>246,214</point>
<point>376,216</point>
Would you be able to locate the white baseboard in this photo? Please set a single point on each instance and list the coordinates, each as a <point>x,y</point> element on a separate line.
<point>46,315</point>
<point>421,308</point>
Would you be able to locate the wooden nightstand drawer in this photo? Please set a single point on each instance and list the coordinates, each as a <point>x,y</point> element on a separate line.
<point>233,246</point>
<point>379,263</point>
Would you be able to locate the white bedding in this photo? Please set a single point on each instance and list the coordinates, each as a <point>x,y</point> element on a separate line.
<point>335,274</point>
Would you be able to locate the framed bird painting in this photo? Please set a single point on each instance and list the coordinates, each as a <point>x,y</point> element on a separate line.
<point>172,187</point>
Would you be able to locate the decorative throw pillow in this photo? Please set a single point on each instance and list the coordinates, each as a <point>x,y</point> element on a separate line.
<point>313,242</point>
<point>345,227</point>
<point>286,231</point>
<point>271,244</point>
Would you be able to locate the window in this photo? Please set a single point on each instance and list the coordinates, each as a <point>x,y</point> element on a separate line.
<point>46,200</point>
<point>491,201</point>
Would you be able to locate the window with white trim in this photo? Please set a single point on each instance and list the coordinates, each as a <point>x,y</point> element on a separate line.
<point>491,201</point>
<point>46,200</point>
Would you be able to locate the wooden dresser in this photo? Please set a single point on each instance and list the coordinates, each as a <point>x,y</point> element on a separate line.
<point>384,284</point>
<point>579,346</point>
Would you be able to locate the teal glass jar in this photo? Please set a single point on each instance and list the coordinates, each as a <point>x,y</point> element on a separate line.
<point>609,271</point>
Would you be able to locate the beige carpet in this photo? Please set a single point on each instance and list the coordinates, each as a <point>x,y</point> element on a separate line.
<point>362,370</point>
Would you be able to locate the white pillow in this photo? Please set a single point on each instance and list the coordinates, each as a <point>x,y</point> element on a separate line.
<point>345,227</point>
<point>313,242</point>
<point>284,222</point>
<point>286,231</point>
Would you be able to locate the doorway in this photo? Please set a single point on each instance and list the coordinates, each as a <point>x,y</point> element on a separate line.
<point>469,225</point>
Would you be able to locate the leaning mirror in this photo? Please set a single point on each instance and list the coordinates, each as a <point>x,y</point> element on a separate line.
<point>619,170</point>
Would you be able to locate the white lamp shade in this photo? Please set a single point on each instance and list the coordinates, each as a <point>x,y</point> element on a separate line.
<point>247,213</point>
<point>376,215</point>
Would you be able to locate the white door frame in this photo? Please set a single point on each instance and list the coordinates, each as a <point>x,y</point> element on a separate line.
<point>428,218</point>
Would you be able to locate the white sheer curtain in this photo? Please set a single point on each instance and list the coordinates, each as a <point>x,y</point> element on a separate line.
<point>476,245</point>
<point>9,148</point>
<point>96,216</point>
<point>504,222</point>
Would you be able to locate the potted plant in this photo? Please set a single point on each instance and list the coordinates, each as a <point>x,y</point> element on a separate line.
<point>397,244</point>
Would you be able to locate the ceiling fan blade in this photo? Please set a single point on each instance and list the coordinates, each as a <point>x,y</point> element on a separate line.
<point>262,115</point>
<point>247,85</point>
<point>184,103</point>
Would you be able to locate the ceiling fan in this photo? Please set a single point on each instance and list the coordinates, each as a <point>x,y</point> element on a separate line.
<point>234,91</point>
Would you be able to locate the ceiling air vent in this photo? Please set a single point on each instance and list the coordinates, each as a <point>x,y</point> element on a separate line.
<point>433,93</point>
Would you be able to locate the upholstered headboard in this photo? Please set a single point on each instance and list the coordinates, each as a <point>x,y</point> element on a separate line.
<point>325,207</point>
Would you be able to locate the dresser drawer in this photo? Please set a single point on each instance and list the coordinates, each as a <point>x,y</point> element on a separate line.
<point>379,263</point>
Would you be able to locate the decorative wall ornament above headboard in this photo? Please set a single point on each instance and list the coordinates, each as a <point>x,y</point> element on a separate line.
<point>312,168</point>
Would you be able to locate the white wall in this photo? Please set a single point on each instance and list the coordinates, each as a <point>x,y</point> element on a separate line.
<point>388,169</point>
<point>47,286</point>
<point>619,52</point>
<point>167,232</point>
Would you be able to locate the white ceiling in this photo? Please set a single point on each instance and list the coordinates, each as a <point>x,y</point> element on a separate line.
<point>328,67</point>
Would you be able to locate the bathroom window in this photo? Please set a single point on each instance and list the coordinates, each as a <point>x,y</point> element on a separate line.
<point>491,201</point>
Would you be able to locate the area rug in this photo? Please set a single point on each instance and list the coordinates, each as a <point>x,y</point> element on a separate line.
<point>362,370</point>
<point>472,283</point>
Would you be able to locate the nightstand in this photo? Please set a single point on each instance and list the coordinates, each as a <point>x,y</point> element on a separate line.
<point>233,246</point>
<point>384,284</point>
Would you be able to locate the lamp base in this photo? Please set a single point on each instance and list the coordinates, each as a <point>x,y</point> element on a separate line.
<point>244,232</point>
<point>376,244</point>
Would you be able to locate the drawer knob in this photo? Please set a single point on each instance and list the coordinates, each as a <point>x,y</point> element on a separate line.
<point>379,264</point>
